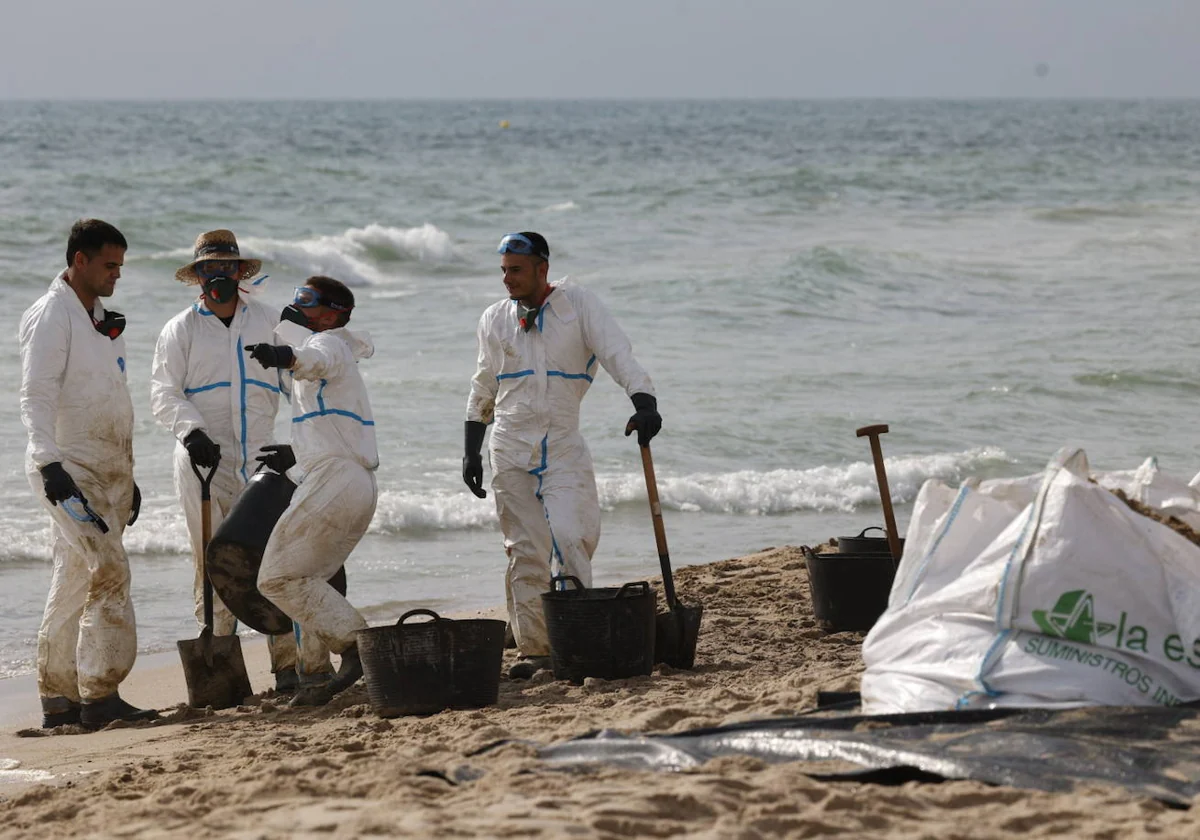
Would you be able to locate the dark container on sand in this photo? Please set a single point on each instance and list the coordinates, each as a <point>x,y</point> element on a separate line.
<point>425,667</point>
<point>862,544</point>
<point>849,591</point>
<point>604,632</point>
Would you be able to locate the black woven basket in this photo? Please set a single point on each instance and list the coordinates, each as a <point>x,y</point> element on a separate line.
<point>605,632</point>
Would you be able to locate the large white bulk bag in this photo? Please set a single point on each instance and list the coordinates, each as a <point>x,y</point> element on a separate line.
<point>1041,591</point>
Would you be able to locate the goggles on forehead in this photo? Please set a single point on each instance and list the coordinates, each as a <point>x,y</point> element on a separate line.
<point>308,297</point>
<point>212,269</point>
<point>516,243</point>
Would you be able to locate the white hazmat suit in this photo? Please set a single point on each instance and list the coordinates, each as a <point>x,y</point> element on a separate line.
<point>202,378</point>
<point>333,438</point>
<point>76,407</point>
<point>531,384</point>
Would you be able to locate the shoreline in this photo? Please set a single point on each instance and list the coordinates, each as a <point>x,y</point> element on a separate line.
<point>268,771</point>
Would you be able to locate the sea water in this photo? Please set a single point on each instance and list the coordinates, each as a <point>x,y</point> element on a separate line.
<point>994,280</point>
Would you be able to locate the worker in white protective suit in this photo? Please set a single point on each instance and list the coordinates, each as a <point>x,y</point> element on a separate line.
<point>221,406</point>
<point>333,446</point>
<point>537,355</point>
<point>76,408</point>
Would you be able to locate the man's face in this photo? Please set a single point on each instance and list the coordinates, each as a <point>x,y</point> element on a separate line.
<point>524,275</point>
<point>98,275</point>
<point>321,317</point>
<point>219,280</point>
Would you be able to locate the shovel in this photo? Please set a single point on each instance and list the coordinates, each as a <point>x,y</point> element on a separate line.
<point>872,433</point>
<point>212,665</point>
<point>676,631</point>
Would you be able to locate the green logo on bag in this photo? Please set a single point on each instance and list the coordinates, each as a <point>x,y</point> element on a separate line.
<point>1074,618</point>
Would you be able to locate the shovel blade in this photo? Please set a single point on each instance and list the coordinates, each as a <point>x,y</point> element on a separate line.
<point>675,636</point>
<point>215,671</point>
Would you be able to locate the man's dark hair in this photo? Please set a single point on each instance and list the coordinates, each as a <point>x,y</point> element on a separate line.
<point>89,236</point>
<point>334,291</point>
<point>539,244</point>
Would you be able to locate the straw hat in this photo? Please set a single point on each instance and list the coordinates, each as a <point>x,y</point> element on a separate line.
<point>217,245</point>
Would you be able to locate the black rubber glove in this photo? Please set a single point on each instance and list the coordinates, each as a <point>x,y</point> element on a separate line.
<point>645,420</point>
<point>271,355</point>
<point>203,451</point>
<point>472,459</point>
<point>58,483</point>
<point>279,457</point>
<point>137,505</point>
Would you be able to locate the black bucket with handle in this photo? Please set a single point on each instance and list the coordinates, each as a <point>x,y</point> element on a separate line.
<point>849,591</point>
<point>606,632</point>
<point>862,544</point>
<point>425,667</point>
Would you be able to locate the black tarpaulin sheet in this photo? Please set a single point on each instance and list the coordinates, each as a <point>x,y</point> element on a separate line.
<point>1151,751</point>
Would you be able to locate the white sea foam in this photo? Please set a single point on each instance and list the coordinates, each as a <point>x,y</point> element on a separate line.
<point>357,256</point>
<point>748,492</point>
<point>403,511</point>
<point>561,207</point>
<point>842,488</point>
<point>11,774</point>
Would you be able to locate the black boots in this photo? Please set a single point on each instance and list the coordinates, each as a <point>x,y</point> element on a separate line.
<point>59,711</point>
<point>349,672</point>
<point>286,681</point>
<point>96,714</point>
<point>527,666</point>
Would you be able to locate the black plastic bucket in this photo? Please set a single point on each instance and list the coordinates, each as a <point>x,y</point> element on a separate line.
<point>235,552</point>
<point>423,668</point>
<point>605,632</point>
<point>849,591</point>
<point>862,544</point>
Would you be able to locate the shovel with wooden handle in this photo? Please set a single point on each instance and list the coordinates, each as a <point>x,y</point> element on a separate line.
<point>213,666</point>
<point>677,630</point>
<point>885,495</point>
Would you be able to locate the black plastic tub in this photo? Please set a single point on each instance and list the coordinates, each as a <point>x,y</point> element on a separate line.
<point>849,591</point>
<point>425,667</point>
<point>862,544</point>
<point>605,632</point>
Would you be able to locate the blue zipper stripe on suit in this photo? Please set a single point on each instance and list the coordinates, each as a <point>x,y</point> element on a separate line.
<point>540,471</point>
<point>242,370</point>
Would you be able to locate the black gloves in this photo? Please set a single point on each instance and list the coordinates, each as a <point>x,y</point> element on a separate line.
<point>271,355</point>
<point>202,450</point>
<point>472,459</point>
<point>646,419</point>
<point>58,483</point>
<point>279,457</point>
<point>137,505</point>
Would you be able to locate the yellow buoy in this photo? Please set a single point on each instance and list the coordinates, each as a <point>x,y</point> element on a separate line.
<point>504,123</point>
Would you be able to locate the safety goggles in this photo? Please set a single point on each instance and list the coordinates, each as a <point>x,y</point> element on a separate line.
<point>516,243</point>
<point>212,269</point>
<point>308,297</point>
<point>81,511</point>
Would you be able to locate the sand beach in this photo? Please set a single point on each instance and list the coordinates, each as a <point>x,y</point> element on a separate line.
<point>267,771</point>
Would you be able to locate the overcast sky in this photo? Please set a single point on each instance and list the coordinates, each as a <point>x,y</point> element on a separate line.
<point>405,49</point>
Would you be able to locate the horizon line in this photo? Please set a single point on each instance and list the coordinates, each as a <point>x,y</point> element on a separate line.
<point>646,99</point>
